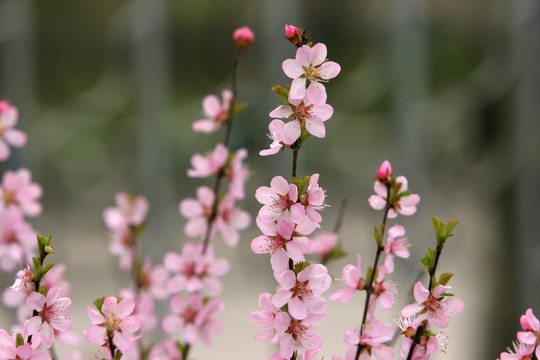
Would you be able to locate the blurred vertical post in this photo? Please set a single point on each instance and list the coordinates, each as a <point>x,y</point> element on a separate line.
<point>409,58</point>
<point>17,60</point>
<point>526,152</point>
<point>151,73</point>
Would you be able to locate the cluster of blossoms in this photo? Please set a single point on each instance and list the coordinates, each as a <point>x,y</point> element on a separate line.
<point>290,211</point>
<point>39,293</point>
<point>527,345</point>
<point>188,281</point>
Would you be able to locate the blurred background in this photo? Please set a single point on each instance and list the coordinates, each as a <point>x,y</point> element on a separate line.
<point>448,91</point>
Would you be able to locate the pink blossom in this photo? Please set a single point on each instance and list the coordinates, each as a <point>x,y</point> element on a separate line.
<point>397,244</point>
<point>303,291</point>
<point>323,243</point>
<point>270,318</point>
<point>280,202</point>
<point>310,65</point>
<point>276,135</point>
<point>8,135</point>
<point>195,271</point>
<point>114,320</point>
<point>217,113</point>
<point>309,113</point>
<point>17,239</point>
<point>427,345</point>
<point>385,172</point>
<point>279,241</point>
<point>197,211</point>
<point>531,330</point>
<point>194,316</point>
<point>10,350</point>
<point>433,306</point>
<point>301,331</point>
<point>18,190</point>
<point>129,211</point>
<point>52,316</point>
<point>237,174</point>
<point>165,350</point>
<point>405,205</point>
<point>145,308</point>
<point>231,219</point>
<point>384,291</point>
<point>313,199</point>
<point>209,164</point>
<point>25,277</point>
<point>243,37</point>
<point>351,276</point>
<point>374,335</point>
<point>521,351</point>
<point>293,34</point>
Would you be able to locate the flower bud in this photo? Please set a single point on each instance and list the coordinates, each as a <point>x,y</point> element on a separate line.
<point>384,174</point>
<point>243,37</point>
<point>295,35</point>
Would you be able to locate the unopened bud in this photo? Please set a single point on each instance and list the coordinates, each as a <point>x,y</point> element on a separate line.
<point>243,37</point>
<point>384,174</point>
<point>295,35</point>
<point>48,249</point>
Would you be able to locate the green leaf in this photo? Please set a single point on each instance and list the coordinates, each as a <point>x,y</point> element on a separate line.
<point>377,235</point>
<point>98,303</point>
<point>301,184</point>
<point>443,231</point>
<point>238,108</point>
<point>429,259</point>
<point>19,341</point>
<point>42,242</point>
<point>336,253</point>
<point>444,278</point>
<point>300,266</point>
<point>282,93</point>
<point>45,269</point>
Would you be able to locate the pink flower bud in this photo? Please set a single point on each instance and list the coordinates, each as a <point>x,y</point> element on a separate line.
<point>294,35</point>
<point>384,174</point>
<point>243,37</point>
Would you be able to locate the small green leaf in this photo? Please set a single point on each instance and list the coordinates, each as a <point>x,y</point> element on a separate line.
<point>43,290</point>
<point>301,184</point>
<point>19,341</point>
<point>443,231</point>
<point>300,266</point>
<point>429,259</point>
<point>45,269</point>
<point>98,303</point>
<point>444,278</point>
<point>238,108</point>
<point>377,235</point>
<point>282,93</point>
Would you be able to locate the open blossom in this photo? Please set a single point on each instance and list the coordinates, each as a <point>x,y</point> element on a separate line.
<point>279,241</point>
<point>303,292</point>
<point>197,211</point>
<point>405,205</point>
<point>194,270</point>
<point>19,191</point>
<point>433,306</point>
<point>309,112</point>
<point>313,199</point>
<point>194,317</point>
<point>237,174</point>
<point>323,243</point>
<point>276,135</point>
<point>24,278</point>
<point>521,351</point>
<point>52,316</point>
<point>9,349</point>
<point>309,65</point>
<point>8,135</point>
<point>280,202</point>
<point>301,331</point>
<point>210,164</point>
<point>231,219</point>
<point>165,350</point>
<point>270,318</point>
<point>531,330</point>
<point>17,239</point>
<point>374,335</point>
<point>427,345</point>
<point>114,320</point>
<point>217,113</point>
<point>351,276</point>
<point>397,245</point>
